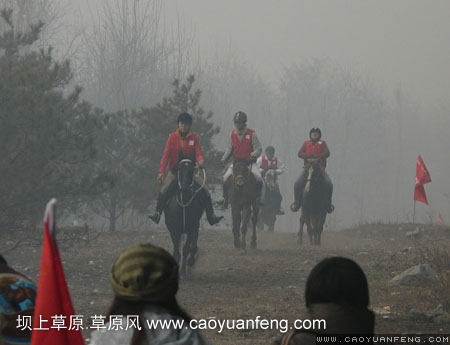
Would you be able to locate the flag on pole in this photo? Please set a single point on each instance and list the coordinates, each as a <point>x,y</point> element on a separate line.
<point>419,194</point>
<point>422,177</point>
<point>422,174</point>
<point>54,313</point>
<point>439,221</point>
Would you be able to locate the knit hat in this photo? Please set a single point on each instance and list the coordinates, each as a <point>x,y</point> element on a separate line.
<point>145,272</point>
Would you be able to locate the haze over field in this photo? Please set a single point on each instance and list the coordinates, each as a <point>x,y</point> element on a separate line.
<point>397,43</point>
<point>373,75</point>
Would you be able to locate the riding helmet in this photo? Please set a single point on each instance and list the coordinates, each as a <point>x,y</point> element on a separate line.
<point>317,130</point>
<point>270,149</point>
<point>240,116</point>
<point>185,118</point>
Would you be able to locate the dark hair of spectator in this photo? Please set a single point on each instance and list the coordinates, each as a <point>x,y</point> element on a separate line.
<point>337,280</point>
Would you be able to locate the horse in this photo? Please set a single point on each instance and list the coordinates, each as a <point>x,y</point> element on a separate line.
<point>182,215</point>
<point>243,194</point>
<point>314,210</point>
<point>268,213</point>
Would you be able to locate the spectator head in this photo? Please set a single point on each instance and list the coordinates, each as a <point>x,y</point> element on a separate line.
<point>145,273</point>
<point>3,260</point>
<point>337,280</point>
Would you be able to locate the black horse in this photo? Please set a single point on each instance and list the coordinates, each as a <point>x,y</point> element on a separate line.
<point>243,192</point>
<point>182,215</point>
<point>314,208</point>
<point>268,214</point>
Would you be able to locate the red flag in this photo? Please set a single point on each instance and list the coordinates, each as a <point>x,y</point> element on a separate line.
<point>54,313</point>
<point>439,220</point>
<point>422,174</point>
<point>419,194</point>
<point>422,177</point>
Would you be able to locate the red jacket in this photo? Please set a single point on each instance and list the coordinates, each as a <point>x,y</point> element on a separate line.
<point>243,148</point>
<point>178,147</point>
<point>319,149</point>
<point>265,163</point>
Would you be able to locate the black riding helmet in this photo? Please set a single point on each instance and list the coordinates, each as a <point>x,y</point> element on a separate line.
<point>185,118</point>
<point>270,149</point>
<point>317,130</point>
<point>240,116</point>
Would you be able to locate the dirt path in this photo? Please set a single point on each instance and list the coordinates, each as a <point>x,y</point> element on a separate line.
<point>267,282</point>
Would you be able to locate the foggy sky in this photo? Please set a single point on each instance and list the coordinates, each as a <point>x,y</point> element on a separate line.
<point>396,44</point>
<point>402,43</point>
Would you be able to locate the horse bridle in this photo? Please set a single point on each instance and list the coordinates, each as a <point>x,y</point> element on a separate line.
<point>241,175</point>
<point>194,193</point>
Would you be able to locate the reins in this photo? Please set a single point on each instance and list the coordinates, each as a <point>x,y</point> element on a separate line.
<point>193,194</point>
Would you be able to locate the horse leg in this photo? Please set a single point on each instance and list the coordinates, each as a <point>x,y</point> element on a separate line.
<point>320,228</point>
<point>315,230</point>
<point>260,223</point>
<point>272,220</point>
<point>186,250</point>
<point>254,222</point>
<point>176,245</point>
<point>236,216</point>
<point>300,230</point>
<point>193,251</point>
<point>318,234</point>
<point>310,229</point>
<point>244,225</point>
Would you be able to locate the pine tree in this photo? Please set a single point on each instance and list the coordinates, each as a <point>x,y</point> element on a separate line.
<point>45,131</point>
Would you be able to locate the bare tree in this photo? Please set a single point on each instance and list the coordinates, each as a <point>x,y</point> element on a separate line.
<point>129,56</point>
<point>27,13</point>
<point>352,115</point>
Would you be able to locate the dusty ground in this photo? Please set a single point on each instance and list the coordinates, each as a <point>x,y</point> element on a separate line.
<point>267,282</point>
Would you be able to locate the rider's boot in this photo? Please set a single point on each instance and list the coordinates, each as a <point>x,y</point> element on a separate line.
<point>160,202</point>
<point>207,204</point>
<point>261,194</point>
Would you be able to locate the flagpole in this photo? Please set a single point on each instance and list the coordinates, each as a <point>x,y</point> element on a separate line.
<point>414,212</point>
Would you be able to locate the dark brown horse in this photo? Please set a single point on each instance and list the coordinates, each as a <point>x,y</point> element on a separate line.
<point>243,192</point>
<point>314,210</point>
<point>182,215</point>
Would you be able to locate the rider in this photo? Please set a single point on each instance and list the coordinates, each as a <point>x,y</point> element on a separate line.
<point>243,143</point>
<point>181,144</point>
<point>268,161</point>
<point>313,148</point>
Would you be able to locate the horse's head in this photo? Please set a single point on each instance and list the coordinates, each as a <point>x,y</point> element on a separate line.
<point>241,171</point>
<point>185,174</point>
<point>270,177</point>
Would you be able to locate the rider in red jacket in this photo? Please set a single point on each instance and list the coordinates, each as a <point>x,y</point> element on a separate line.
<point>181,144</point>
<point>313,148</point>
<point>243,143</point>
<point>269,161</point>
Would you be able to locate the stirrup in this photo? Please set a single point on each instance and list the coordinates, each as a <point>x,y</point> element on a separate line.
<point>295,206</point>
